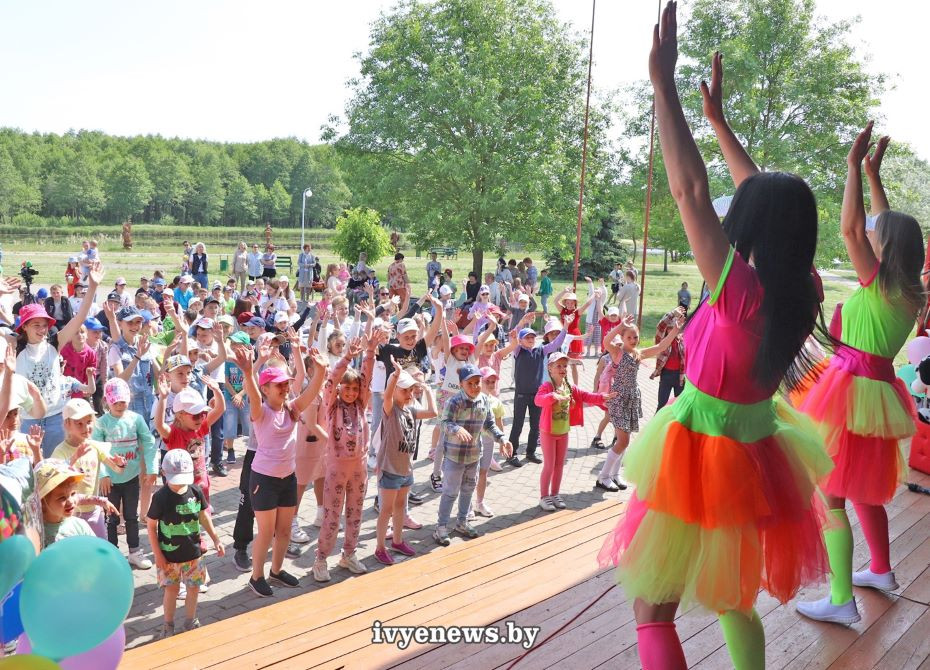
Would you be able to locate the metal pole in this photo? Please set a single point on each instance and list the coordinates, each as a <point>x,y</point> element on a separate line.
<point>584,151</point>
<point>303,211</point>
<point>652,135</point>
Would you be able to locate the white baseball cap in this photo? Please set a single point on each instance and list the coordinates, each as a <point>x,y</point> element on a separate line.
<point>613,311</point>
<point>178,467</point>
<point>188,400</point>
<point>406,325</point>
<point>77,408</point>
<point>405,380</point>
<point>445,290</point>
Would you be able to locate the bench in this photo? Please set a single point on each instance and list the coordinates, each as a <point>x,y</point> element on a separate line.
<point>476,582</point>
<point>284,263</point>
<point>445,252</point>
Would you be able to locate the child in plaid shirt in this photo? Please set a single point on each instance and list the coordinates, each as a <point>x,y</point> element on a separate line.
<point>464,418</point>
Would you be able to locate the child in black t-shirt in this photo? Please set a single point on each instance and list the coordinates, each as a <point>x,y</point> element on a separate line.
<point>174,519</point>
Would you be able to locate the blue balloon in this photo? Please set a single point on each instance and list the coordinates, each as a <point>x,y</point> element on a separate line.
<point>10,621</point>
<point>75,595</point>
<point>16,553</point>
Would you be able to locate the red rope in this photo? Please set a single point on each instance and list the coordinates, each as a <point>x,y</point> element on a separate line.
<point>561,628</point>
<point>652,135</point>
<point>584,151</point>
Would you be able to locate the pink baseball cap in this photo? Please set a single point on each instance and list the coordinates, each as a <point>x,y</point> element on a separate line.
<point>33,311</point>
<point>116,390</point>
<point>488,371</point>
<point>462,341</point>
<point>273,376</point>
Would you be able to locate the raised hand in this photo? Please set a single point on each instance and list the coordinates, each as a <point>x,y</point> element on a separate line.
<point>243,356</point>
<point>318,358</point>
<point>164,388</point>
<point>664,53</point>
<point>9,285</point>
<point>873,162</point>
<point>95,276</point>
<point>713,94</point>
<point>860,147</point>
<point>354,348</point>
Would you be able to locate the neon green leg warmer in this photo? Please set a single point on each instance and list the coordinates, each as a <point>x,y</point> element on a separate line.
<point>745,640</point>
<point>839,543</point>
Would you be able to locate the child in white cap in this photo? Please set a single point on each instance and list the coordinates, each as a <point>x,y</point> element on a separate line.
<point>175,517</point>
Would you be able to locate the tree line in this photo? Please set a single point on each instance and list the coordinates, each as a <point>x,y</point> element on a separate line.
<point>89,175</point>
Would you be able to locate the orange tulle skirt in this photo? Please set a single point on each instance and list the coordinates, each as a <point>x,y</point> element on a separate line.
<point>725,503</point>
<point>863,412</point>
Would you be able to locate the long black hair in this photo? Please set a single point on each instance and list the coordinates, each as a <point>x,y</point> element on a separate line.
<point>772,221</point>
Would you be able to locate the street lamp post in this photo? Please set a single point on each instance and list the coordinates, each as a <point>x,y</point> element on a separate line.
<point>303,212</point>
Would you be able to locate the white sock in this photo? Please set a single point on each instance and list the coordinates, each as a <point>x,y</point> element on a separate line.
<point>615,470</point>
<point>607,468</point>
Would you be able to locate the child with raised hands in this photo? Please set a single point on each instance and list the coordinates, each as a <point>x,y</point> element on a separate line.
<point>273,481</point>
<point>570,314</point>
<point>398,444</point>
<point>129,436</point>
<point>345,479</point>
<point>562,407</point>
<point>57,485</point>
<point>625,406</point>
<point>192,419</point>
<point>178,512</point>
<point>464,418</point>
<point>489,386</point>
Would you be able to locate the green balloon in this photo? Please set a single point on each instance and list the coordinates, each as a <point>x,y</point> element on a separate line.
<point>16,553</point>
<point>75,594</point>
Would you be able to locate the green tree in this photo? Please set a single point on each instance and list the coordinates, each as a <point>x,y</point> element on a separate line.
<point>171,180</point>
<point>240,202</point>
<point>16,195</point>
<point>360,230</point>
<point>208,196</point>
<point>73,187</point>
<point>799,93</point>
<point>279,202</point>
<point>319,169</point>
<point>464,124</point>
<point>128,188</point>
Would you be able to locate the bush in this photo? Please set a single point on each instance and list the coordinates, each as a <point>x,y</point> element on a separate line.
<point>359,230</point>
<point>597,257</point>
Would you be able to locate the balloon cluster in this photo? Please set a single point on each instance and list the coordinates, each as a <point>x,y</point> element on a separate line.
<point>66,606</point>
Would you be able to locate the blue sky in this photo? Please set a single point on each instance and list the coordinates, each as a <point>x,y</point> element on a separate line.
<point>245,71</point>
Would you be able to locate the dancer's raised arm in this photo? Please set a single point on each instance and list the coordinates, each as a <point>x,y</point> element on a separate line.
<point>738,160</point>
<point>687,176</point>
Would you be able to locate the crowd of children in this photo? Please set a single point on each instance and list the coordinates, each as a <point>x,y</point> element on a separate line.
<point>156,385</point>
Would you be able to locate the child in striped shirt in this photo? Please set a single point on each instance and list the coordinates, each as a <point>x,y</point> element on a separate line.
<point>464,418</point>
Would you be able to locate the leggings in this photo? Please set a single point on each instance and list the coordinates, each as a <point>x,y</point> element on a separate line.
<point>127,495</point>
<point>344,486</point>
<point>554,448</point>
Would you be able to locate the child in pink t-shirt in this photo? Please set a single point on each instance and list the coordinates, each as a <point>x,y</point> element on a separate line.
<point>78,357</point>
<point>273,482</point>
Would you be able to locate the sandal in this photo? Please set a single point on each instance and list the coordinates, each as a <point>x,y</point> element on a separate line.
<point>598,443</point>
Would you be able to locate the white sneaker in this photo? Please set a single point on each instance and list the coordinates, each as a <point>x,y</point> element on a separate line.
<point>558,502</point>
<point>471,513</point>
<point>869,579</point>
<point>298,534</point>
<point>353,564</point>
<point>182,592</point>
<point>318,519</point>
<point>372,462</point>
<point>204,588</point>
<point>321,571</point>
<point>138,560</point>
<point>546,504</point>
<point>825,610</point>
<point>483,510</point>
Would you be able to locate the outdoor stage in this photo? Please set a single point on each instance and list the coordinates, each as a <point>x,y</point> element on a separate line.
<point>543,573</point>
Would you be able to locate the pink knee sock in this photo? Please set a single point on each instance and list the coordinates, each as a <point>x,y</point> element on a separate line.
<point>659,647</point>
<point>547,443</point>
<point>874,522</point>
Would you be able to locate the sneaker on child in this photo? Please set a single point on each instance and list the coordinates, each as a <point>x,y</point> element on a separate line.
<point>298,534</point>
<point>546,504</point>
<point>466,529</point>
<point>138,560</point>
<point>441,535</point>
<point>261,587</point>
<point>320,571</point>
<point>353,564</point>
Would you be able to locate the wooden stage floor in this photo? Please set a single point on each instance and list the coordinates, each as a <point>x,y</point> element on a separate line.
<point>543,573</point>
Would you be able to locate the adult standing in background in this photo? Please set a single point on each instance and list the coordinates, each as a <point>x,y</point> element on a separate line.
<point>399,282</point>
<point>254,261</point>
<point>305,262</point>
<point>269,262</point>
<point>240,266</point>
<point>433,270</point>
<point>628,297</point>
<point>199,264</point>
